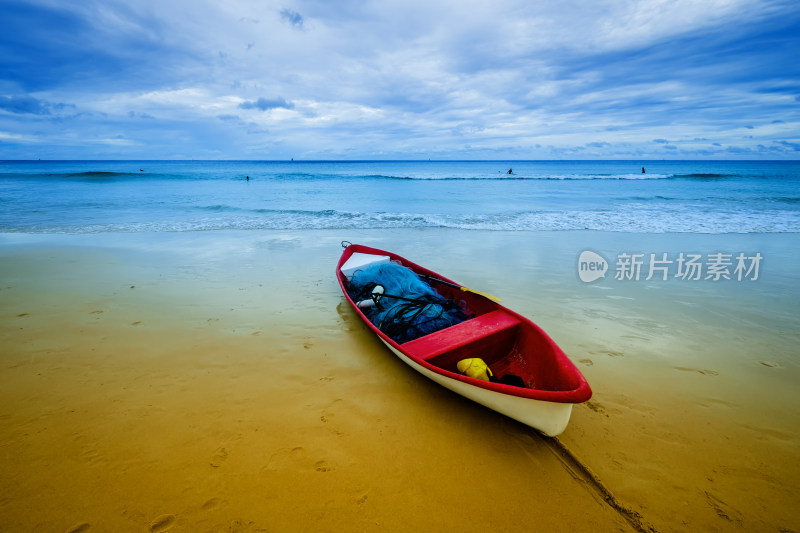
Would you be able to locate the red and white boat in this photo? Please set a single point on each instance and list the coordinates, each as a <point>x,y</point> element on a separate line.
<point>510,344</point>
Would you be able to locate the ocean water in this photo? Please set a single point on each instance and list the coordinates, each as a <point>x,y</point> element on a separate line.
<point>174,196</point>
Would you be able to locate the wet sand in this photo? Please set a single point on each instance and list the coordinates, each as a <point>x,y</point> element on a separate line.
<point>219,382</point>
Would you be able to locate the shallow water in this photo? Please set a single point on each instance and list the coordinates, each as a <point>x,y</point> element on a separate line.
<point>218,379</point>
<point>175,351</point>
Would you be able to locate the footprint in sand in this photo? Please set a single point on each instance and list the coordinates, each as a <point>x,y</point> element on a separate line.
<point>294,460</point>
<point>284,458</point>
<point>587,362</point>
<point>162,523</point>
<point>79,528</point>
<point>611,353</point>
<point>698,370</point>
<point>322,466</point>
<point>597,408</point>
<point>327,414</point>
<point>219,457</point>
<point>211,504</point>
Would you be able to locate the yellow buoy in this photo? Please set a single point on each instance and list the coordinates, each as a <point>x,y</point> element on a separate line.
<point>474,368</point>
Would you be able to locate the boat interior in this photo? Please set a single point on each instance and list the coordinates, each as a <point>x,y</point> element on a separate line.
<point>517,352</point>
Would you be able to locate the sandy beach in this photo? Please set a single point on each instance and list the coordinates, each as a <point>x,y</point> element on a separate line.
<point>218,381</point>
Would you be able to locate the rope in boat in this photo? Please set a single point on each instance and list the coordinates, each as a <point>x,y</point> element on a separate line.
<point>405,318</point>
<point>400,304</point>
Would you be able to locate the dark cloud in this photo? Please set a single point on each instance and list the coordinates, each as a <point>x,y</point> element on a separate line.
<point>292,17</point>
<point>28,105</point>
<point>265,104</point>
<point>54,46</point>
<point>738,149</point>
<point>135,114</point>
<point>789,145</point>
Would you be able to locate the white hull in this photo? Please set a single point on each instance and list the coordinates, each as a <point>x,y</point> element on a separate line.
<point>550,418</point>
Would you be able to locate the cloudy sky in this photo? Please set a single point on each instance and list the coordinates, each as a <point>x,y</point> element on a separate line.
<point>399,79</point>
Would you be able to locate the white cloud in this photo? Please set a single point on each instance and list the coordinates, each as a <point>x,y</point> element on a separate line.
<point>17,137</point>
<point>640,23</point>
<point>396,75</point>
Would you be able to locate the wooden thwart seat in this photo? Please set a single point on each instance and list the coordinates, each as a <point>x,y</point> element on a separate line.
<point>460,335</point>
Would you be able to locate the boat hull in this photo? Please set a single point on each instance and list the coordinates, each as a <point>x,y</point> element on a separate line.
<point>549,418</point>
<point>544,383</point>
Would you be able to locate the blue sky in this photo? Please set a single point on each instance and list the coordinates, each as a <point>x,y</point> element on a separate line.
<point>399,79</point>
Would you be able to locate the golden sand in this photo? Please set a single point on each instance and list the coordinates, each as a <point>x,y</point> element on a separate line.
<point>207,382</point>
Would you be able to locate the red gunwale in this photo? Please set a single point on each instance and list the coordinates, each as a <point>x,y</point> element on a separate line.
<point>578,392</point>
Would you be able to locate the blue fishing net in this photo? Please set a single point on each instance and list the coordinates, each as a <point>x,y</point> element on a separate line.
<point>409,307</point>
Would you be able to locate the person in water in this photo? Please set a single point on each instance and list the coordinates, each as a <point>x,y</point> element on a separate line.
<point>642,170</point>
<point>510,171</point>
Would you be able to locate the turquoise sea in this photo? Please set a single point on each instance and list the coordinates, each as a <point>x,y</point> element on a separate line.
<point>615,196</point>
<point>141,294</point>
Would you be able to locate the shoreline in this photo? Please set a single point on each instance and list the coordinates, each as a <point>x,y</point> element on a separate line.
<point>203,380</point>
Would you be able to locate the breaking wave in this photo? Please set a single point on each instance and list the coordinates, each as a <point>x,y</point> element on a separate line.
<point>636,221</point>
